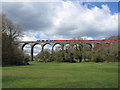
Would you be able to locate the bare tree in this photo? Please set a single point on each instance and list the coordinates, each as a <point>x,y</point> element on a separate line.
<point>13,31</point>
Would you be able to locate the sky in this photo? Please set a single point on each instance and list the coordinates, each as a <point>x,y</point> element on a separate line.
<point>64,19</point>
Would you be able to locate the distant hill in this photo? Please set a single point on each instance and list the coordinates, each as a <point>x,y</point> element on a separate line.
<point>114,37</point>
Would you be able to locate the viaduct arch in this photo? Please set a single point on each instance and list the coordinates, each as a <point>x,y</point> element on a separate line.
<point>72,43</point>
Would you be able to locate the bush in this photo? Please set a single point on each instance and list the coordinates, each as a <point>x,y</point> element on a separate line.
<point>11,55</point>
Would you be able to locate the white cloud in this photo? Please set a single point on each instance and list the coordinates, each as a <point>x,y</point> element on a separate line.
<point>29,36</point>
<point>62,20</point>
<point>87,38</point>
<point>77,20</point>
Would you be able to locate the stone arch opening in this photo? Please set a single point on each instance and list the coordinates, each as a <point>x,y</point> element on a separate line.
<point>89,46</point>
<point>57,47</point>
<point>78,46</point>
<point>47,47</point>
<point>26,48</point>
<point>97,45</point>
<point>67,46</point>
<point>37,48</point>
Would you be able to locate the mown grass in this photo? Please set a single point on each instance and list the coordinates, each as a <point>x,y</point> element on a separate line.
<point>61,75</point>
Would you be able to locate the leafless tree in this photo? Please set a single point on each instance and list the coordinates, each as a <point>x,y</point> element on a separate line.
<point>12,30</point>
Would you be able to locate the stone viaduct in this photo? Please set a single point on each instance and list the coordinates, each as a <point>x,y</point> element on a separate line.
<point>90,43</point>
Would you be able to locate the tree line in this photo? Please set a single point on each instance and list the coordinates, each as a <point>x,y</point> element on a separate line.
<point>102,52</point>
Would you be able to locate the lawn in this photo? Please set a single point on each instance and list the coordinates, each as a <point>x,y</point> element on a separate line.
<point>61,75</point>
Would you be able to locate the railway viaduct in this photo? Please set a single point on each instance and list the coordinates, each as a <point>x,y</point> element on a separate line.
<point>53,43</point>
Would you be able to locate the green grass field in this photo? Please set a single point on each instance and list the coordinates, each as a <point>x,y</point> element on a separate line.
<point>61,75</point>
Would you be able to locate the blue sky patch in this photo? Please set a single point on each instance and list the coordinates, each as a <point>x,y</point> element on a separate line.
<point>113,6</point>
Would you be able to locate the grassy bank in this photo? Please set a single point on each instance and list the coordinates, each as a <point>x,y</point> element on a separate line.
<point>61,75</point>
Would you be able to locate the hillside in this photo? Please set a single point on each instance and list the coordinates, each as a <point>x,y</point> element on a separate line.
<point>114,37</point>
